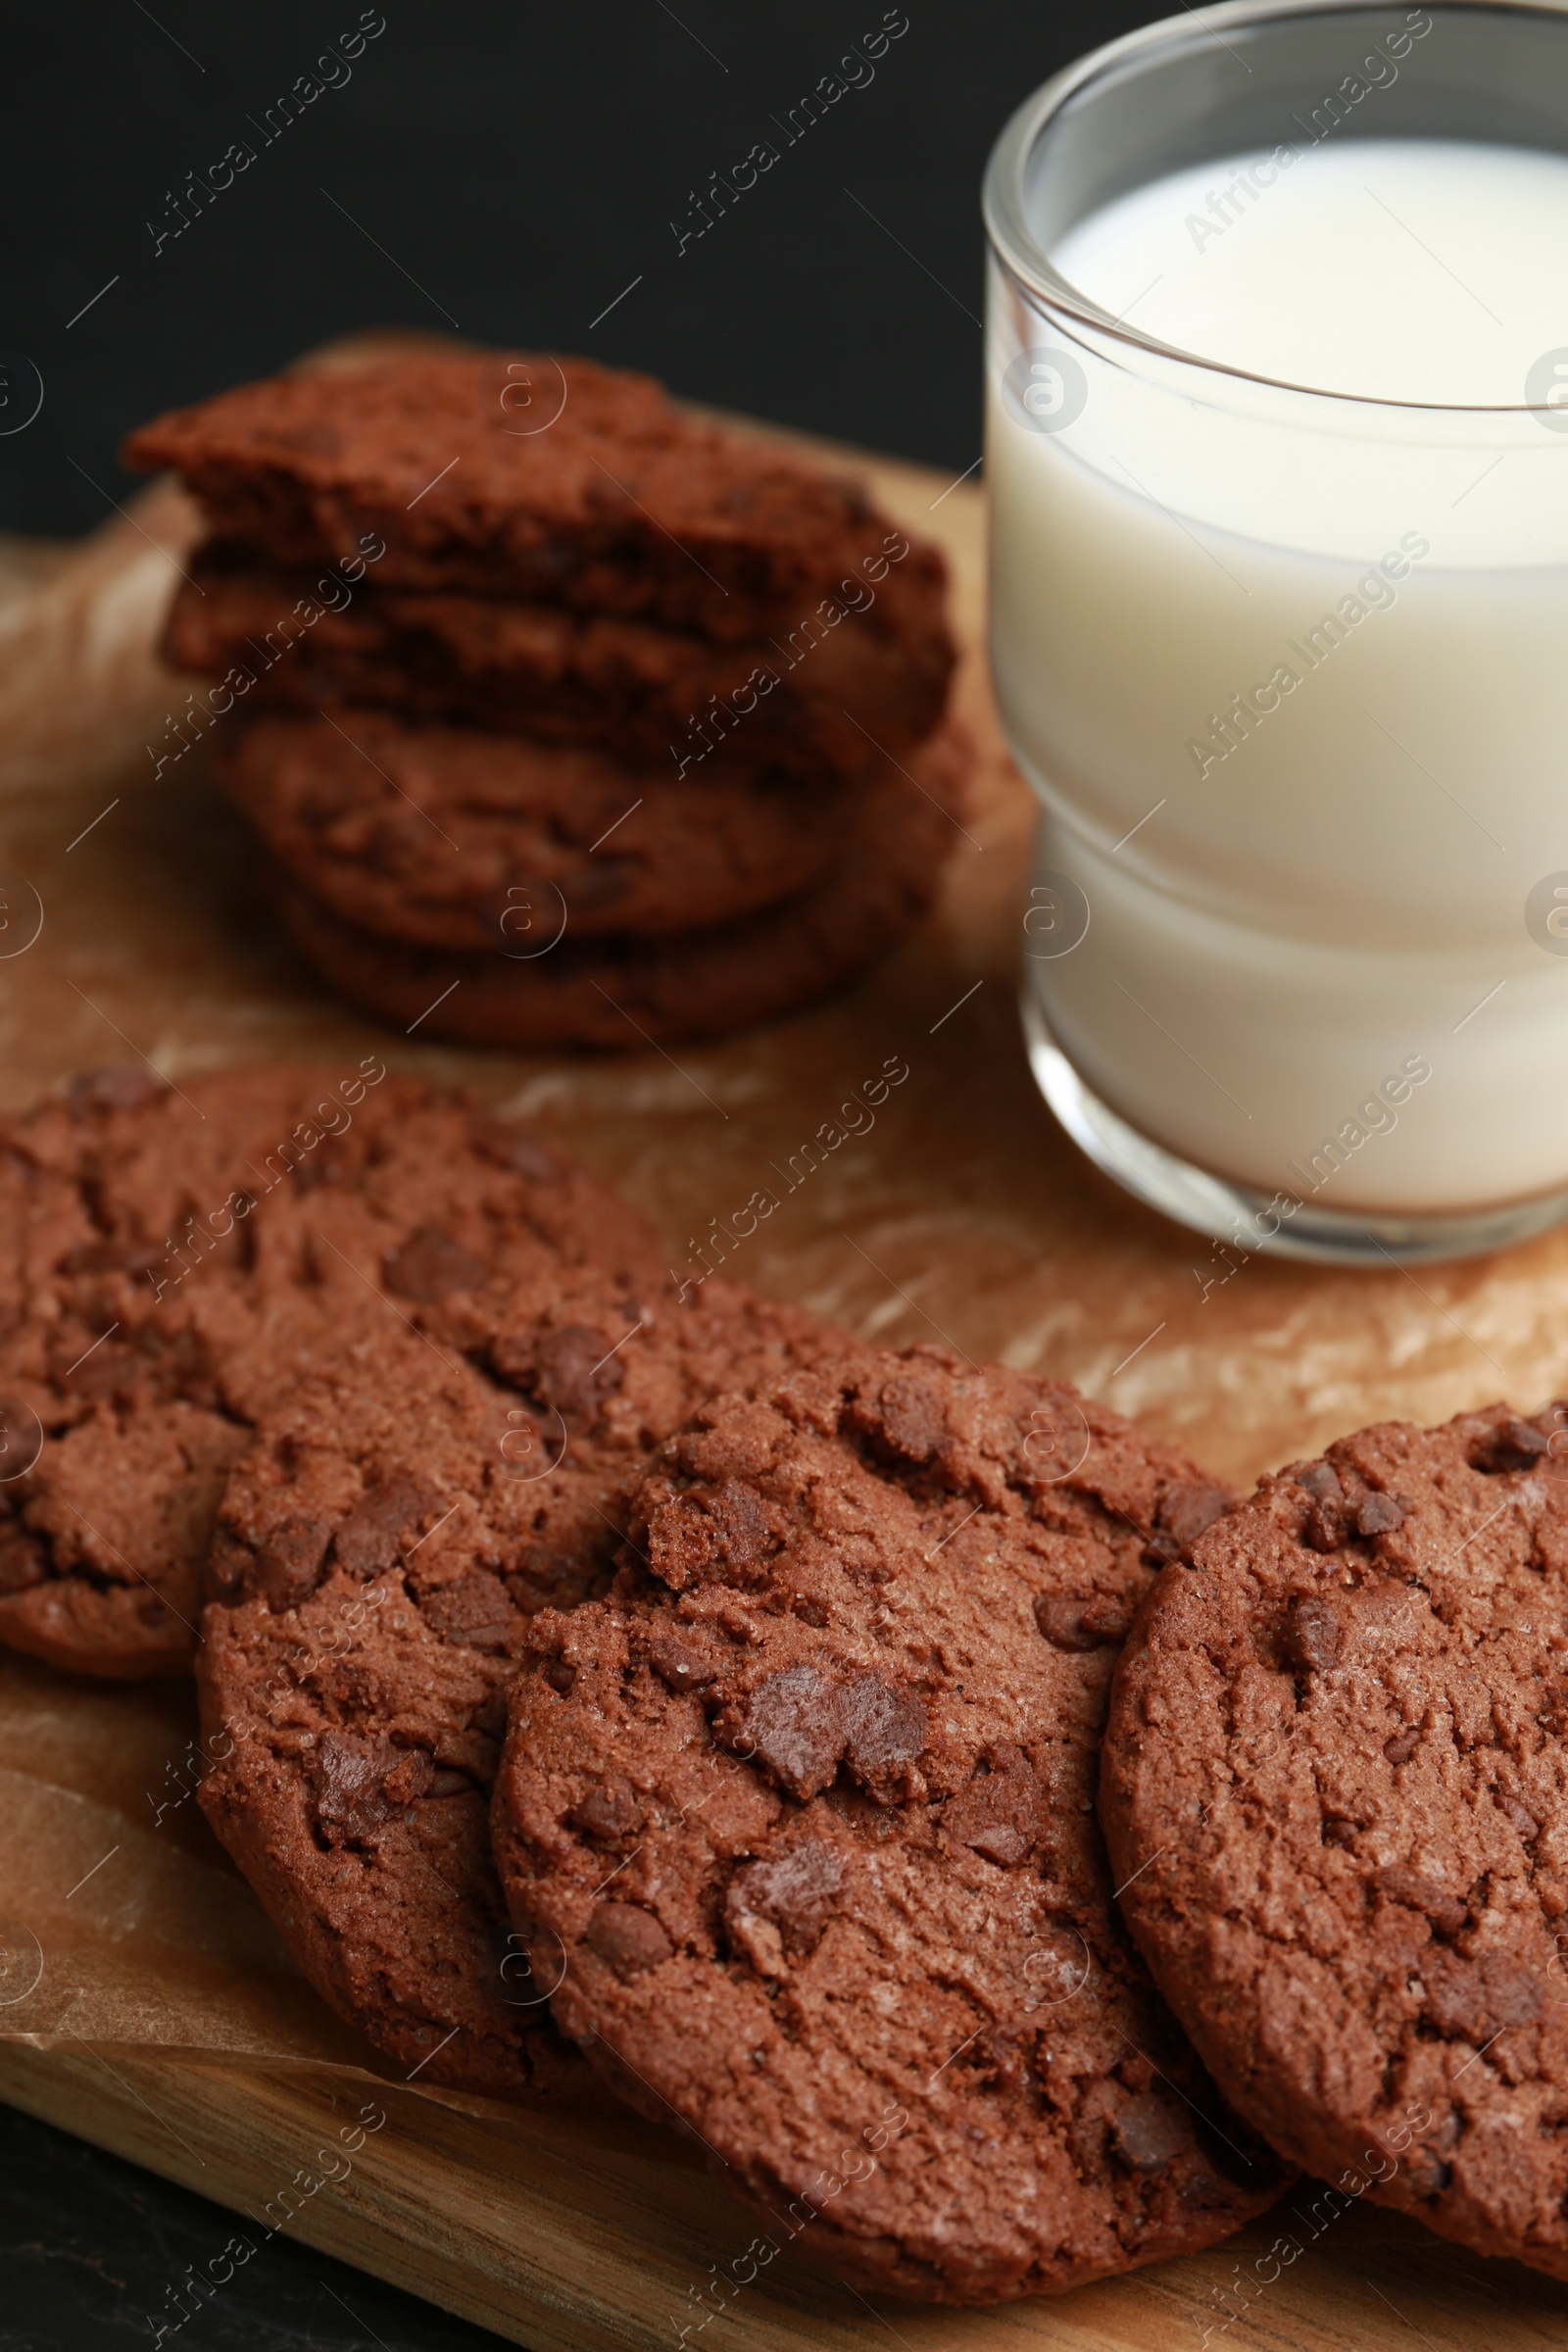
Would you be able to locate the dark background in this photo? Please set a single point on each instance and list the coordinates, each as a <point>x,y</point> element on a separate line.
<point>522,164</point>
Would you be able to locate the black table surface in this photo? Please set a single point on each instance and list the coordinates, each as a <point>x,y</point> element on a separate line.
<point>523,174</point>
<point>90,2247</point>
<point>507,170</point>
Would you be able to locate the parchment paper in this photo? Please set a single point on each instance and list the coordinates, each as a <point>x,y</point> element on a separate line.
<point>954,1211</point>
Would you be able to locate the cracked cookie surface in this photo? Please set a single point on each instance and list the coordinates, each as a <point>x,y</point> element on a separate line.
<point>800,1814</point>
<point>1335,1780</point>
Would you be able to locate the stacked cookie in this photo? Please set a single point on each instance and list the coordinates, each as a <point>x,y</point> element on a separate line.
<point>562,715</point>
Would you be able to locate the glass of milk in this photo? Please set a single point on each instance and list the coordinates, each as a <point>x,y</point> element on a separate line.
<point>1277,455</point>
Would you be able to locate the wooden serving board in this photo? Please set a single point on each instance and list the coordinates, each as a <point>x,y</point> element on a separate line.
<point>568,2237</point>
<point>962,1212</point>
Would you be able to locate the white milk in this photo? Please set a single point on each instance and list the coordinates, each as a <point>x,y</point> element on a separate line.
<point>1347,819</point>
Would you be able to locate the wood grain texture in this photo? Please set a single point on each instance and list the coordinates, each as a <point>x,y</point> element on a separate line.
<point>966,1213</point>
<point>572,2236</point>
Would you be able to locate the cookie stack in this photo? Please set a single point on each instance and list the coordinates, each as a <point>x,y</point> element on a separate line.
<point>563,715</point>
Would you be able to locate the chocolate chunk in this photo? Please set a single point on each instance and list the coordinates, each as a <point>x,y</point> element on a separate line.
<point>574,1370</point>
<point>797,1891</point>
<point>289,1560</point>
<point>373,1535</point>
<point>549,1579</point>
<point>1185,1511</point>
<point>912,1420</point>
<point>561,1674</point>
<point>1476,2000</point>
<point>1073,1624</point>
<point>490,1715</point>
<point>1403,1744</point>
<point>628,1937</point>
<point>794,1726</point>
<point>347,1777</point>
<point>738,1522</point>
<point>1396,1885</point>
<point>717,1527</point>
<point>1321,1481</point>
<point>1312,1634</point>
<point>802,1722</point>
<point>1323,1526</point>
<point>360,1785</point>
<point>1146,2132</point>
<point>883,1725</point>
<point>607,1814</point>
<point>999,1813</point>
<point>431,1265</point>
<point>678,1666</point>
<point>473,1611</point>
<point>1377,1515</point>
<point>1514,1446</point>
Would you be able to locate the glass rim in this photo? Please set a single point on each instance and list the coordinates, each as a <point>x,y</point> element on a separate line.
<point>1027,263</point>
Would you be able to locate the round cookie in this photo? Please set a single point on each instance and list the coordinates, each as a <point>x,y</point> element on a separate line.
<point>801,1816</point>
<point>170,1257</point>
<point>443,837</point>
<point>647,696</point>
<point>603,992</point>
<point>1336,1786</point>
<point>380,1554</point>
<point>607,497</point>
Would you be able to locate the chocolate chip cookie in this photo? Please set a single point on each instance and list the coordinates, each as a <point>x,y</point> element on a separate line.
<point>618,992</point>
<point>655,696</point>
<point>171,1255</point>
<point>515,474</point>
<point>380,1554</point>
<point>1335,1785</point>
<point>802,1817</point>
<point>443,837</point>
